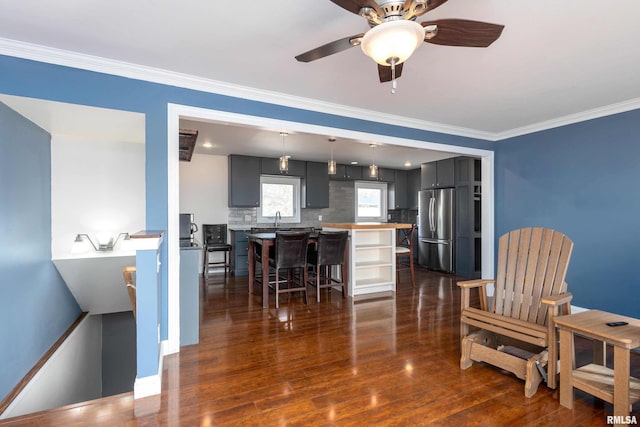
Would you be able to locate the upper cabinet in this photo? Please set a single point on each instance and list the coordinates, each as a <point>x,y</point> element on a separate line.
<point>347,172</point>
<point>399,184</point>
<point>244,181</point>
<point>413,186</point>
<point>270,166</point>
<point>316,186</point>
<point>438,174</point>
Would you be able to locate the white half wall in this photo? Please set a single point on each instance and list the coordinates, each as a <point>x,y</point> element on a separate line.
<point>72,374</point>
<point>96,186</point>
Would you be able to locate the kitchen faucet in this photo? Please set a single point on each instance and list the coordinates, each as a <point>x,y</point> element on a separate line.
<point>278,219</point>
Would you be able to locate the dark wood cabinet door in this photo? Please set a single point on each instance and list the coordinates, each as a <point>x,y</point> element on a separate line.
<point>244,181</point>
<point>446,176</point>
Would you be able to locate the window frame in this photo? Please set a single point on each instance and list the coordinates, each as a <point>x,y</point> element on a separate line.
<point>282,180</point>
<point>384,202</point>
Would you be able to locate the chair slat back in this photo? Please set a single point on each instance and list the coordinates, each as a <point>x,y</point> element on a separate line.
<point>532,264</point>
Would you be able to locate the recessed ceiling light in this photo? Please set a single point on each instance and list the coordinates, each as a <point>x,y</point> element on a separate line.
<point>354,163</point>
<point>207,145</point>
<point>407,164</point>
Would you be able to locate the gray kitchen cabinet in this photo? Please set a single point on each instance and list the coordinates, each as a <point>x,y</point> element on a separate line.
<point>271,166</point>
<point>400,188</point>
<point>440,174</point>
<point>386,175</point>
<point>316,185</point>
<point>468,197</point>
<point>239,253</point>
<point>244,181</point>
<point>347,172</point>
<point>413,186</point>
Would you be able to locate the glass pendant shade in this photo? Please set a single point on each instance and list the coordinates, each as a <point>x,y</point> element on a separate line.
<point>392,41</point>
<point>331,167</point>
<point>284,164</point>
<point>373,171</point>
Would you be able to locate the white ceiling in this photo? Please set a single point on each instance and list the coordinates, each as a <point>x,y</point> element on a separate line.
<point>556,61</point>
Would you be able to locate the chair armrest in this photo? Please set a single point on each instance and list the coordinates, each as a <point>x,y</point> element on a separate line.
<point>467,285</point>
<point>556,300</point>
<point>475,283</point>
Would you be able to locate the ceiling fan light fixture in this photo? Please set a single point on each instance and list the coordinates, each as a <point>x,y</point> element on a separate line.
<point>392,41</point>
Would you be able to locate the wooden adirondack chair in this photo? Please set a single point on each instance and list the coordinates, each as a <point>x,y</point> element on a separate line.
<point>516,330</point>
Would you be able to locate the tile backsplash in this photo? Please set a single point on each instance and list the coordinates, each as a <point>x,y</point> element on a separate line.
<point>342,209</point>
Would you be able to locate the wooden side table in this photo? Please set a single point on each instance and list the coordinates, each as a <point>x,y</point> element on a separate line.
<point>615,385</point>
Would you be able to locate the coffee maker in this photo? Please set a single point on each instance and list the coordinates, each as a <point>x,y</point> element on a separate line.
<point>187,229</point>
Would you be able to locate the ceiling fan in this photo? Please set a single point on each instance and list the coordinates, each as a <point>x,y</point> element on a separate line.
<point>395,34</point>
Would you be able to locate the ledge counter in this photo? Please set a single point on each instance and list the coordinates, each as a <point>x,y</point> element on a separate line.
<point>372,256</point>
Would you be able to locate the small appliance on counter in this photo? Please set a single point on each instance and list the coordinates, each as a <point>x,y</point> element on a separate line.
<point>187,230</point>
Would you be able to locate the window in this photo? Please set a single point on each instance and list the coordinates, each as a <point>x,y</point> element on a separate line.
<point>371,201</point>
<point>279,194</point>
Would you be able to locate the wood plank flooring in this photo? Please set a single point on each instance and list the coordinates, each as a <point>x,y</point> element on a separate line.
<point>386,361</point>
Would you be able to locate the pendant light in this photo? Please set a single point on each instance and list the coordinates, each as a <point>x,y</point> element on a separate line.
<point>373,169</point>
<point>331,165</point>
<point>284,160</point>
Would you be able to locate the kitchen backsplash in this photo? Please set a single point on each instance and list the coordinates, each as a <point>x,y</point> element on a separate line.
<point>341,200</point>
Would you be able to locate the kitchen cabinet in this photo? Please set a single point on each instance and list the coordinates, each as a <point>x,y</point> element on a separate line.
<point>400,189</point>
<point>440,174</point>
<point>239,253</point>
<point>270,166</point>
<point>387,175</point>
<point>468,216</point>
<point>348,172</point>
<point>244,181</point>
<point>316,185</point>
<point>413,186</point>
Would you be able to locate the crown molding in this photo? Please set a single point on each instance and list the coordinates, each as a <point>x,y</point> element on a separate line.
<point>595,113</point>
<point>71,59</point>
<point>155,75</point>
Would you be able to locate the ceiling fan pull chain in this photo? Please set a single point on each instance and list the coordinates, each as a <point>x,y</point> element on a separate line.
<point>393,76</point>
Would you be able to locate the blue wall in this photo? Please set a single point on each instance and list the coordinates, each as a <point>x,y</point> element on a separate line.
<point>581,180</point>
<point>36,306</point>
<point>45,81</point>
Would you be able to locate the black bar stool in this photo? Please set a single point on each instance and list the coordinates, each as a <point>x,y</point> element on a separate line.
<point>290,254</point>
<point>329,251</point>
<point>215,240</point>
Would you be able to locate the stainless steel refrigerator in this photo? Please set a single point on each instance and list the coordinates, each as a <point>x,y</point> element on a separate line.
<point>436,212</point>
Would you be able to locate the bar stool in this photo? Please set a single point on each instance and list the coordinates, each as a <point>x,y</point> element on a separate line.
<point>404,249</point>
<point>290,254</point>
<point>329,251</point>
<point>215,240</point>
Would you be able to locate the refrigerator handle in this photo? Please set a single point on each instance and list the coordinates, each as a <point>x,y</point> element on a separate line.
<point>432,216</point>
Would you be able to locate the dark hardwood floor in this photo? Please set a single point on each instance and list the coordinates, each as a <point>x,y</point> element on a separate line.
<point>386,361</point>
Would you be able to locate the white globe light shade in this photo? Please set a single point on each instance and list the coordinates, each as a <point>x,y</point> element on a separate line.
<point>392,39</point>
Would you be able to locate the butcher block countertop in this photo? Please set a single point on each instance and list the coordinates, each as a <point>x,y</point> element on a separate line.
<point>364,225</point>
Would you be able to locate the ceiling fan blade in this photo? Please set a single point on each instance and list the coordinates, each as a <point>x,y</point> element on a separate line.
<point>384,72</point>
<point>462,32</point>
<point>432,4</point>
<point>328,49</point>
<point>354,6</point>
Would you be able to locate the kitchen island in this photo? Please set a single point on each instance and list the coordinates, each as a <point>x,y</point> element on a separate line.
<point>371,255</point>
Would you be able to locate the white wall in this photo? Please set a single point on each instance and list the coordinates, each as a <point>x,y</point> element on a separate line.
<point>72,374</point>
<point>204,192</point>
<point>96,186</point>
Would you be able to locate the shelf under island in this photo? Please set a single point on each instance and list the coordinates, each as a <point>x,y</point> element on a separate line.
<point>371,255</point>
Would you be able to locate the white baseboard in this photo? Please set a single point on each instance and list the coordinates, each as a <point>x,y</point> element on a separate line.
<point>151,385</point>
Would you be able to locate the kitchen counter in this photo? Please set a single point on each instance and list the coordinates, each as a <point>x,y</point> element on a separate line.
<point>364,225</point>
